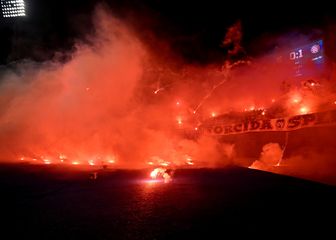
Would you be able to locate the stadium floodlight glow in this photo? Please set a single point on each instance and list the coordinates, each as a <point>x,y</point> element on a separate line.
<point>13,8</point>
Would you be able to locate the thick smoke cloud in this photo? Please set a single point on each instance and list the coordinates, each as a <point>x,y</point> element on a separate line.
<point>126,100</point>
<point>73,108</point>
<point>93,107</point>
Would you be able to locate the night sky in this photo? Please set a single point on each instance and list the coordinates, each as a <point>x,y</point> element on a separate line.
<point>193,30</point>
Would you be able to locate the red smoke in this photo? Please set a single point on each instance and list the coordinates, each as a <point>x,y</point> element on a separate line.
<point>79,109</point>
<point>98,108</point>
<point>118,102</point>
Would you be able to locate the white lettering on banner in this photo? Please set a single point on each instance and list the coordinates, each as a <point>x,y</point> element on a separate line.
<point>277,124</point>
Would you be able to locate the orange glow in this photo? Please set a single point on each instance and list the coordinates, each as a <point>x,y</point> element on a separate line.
<point>189,160</point>
<point>304,110</point>
<point>213,114</point>
<point>296,98</point>
<point>91,163</point>
<point>46,161</point>
<point>75,163</point>
<point>179,120</point>
<point>165,164</point>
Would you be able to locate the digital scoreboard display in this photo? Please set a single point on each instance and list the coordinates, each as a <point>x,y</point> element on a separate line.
<point>13,8</point>
<point>307,60</point>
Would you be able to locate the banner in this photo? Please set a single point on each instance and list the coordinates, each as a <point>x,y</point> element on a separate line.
<point>267,125</point>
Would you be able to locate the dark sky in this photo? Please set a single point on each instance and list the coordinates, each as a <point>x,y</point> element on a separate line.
<point>193,30</point>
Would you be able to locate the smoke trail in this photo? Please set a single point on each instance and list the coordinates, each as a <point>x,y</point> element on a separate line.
<point>232,40</point>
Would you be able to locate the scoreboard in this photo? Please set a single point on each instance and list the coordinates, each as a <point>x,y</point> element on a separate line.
<point>307,60</point>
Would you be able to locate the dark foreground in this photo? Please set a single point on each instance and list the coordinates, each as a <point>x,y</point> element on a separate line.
<point>49,202</point>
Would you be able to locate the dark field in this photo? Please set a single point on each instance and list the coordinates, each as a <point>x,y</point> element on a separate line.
<point>51,202</point>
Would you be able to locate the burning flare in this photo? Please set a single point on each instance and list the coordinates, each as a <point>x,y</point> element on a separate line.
<point>161,173</point>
